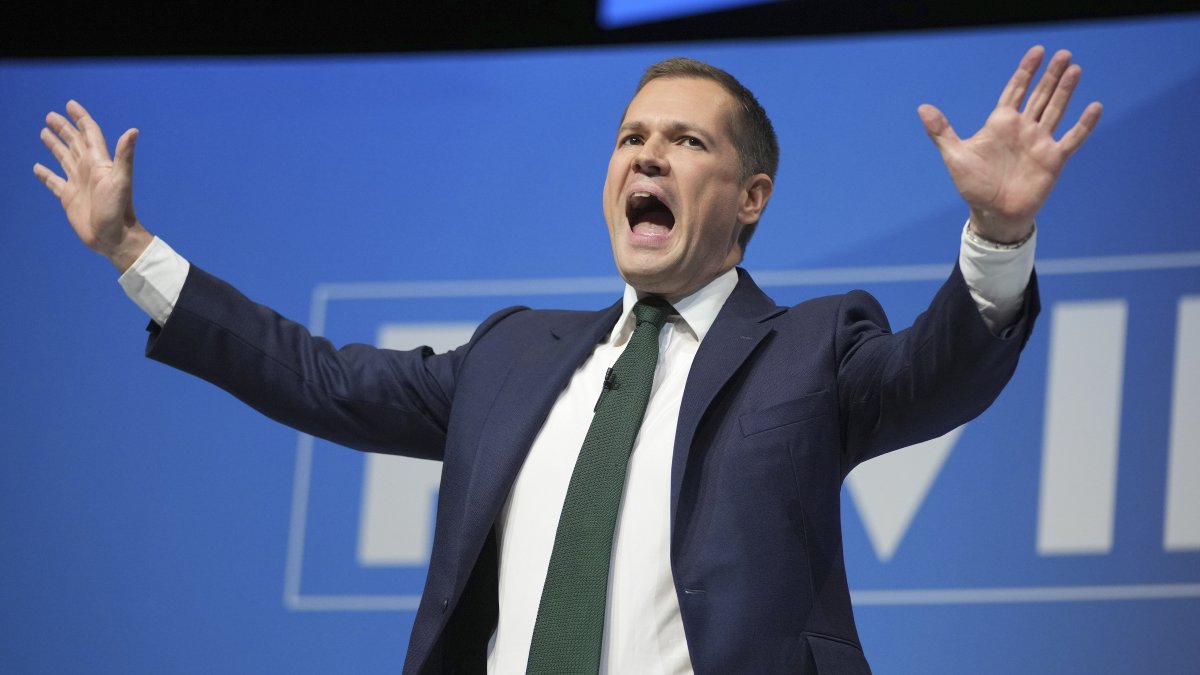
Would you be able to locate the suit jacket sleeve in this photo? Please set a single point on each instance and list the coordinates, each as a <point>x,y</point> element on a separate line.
<point>370,399</point>
<point>899,389</point>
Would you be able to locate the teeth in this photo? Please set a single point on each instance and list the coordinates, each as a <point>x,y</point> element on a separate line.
<point>640,194</point>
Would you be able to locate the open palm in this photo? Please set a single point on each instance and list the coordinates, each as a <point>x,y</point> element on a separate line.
<point>97,193</point>
<point>1007,169</point>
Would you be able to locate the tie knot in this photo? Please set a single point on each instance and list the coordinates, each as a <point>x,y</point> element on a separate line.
<point>654,310</point>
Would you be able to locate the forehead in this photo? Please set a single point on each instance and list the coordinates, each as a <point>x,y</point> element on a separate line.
<point>689,101</point>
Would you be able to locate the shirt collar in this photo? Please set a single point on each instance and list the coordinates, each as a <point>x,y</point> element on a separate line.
<point>695,313</point>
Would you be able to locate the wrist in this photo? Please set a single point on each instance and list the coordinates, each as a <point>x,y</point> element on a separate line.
<point>1001,234</point>
<point>132,245</point>
<point>990,244</point>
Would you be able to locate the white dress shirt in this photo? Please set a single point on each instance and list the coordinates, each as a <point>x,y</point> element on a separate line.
<point>643,630</point>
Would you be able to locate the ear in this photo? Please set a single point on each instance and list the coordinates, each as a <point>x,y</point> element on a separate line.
<point>758,191</point>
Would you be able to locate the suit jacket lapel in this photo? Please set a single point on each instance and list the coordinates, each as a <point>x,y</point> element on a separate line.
<point>535,381</point>
<point>741,325</point>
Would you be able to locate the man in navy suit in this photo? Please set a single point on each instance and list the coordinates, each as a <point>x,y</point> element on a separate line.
<point>727,549</point>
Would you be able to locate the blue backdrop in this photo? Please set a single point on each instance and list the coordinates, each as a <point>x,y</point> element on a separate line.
<point>150,523</point>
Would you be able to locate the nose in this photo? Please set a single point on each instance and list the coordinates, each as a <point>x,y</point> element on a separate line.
<point>650,159</point>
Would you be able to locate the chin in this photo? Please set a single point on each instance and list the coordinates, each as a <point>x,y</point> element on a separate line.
<point>642,279</point>
<point>658,282</point>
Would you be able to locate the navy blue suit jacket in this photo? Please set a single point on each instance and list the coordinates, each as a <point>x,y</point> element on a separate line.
<point>781,403</point>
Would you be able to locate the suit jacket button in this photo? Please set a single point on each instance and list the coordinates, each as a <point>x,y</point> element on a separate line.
<point>445,603</point>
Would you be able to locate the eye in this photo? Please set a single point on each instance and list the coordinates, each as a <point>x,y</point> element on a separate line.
<point>631,139</point>
<point>692,142</point>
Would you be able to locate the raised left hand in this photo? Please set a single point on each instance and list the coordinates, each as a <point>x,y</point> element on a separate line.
<point>1008,168</point>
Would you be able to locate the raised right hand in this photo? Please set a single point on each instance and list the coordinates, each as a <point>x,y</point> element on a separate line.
<point>97,193</point>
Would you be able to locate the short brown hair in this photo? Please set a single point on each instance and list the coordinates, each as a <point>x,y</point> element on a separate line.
<point>752,131</point>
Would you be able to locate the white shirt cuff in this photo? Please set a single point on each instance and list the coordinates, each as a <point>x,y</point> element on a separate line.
<point>155,280</point>
<point>997,275</point>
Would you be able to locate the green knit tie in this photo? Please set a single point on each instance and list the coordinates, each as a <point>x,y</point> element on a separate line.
<point>570,619</point>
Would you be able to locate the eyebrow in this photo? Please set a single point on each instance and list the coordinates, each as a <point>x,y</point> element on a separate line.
<point>673,127</point>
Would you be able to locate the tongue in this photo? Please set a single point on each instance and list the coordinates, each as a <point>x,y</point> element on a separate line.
<point>654,222</point>
<point>651,228</point>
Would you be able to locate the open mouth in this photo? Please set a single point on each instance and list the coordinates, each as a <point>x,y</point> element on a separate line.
<point>648,215</point>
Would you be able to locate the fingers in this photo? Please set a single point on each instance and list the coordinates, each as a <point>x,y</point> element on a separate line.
<point>71,137</point>
<point>1078,134</point>
<point>81,134</point>
<point>79,146</point>
<point>937,126</point>
<point>1048,85</point>
<point>1048,102</point>
<point>50,179</point>
<point>123,160</point>
<point>60,151</point>
<point>1057,105</point>
<point>90,130</point>
<point>1018,84</point>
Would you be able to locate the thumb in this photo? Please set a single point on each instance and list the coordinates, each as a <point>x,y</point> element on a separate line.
<point>123,159</point>
<point>937,126</point>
